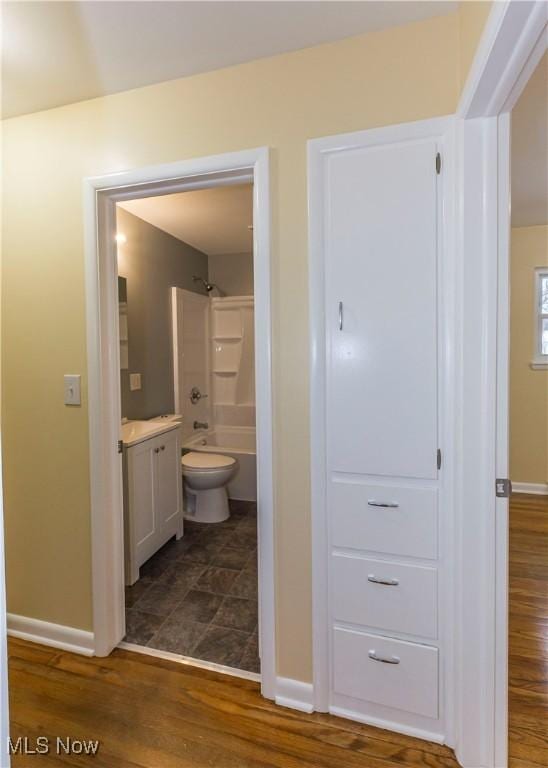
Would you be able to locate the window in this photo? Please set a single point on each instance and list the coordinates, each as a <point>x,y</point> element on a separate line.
<point>540,359</point>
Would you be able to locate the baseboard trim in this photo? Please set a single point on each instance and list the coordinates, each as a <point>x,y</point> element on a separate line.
<point>540,489</point>
<point>377,722</point>
<point>294,694</point>
<point>53,635</point>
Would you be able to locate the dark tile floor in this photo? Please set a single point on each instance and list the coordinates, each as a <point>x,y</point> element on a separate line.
<point>198,596</point>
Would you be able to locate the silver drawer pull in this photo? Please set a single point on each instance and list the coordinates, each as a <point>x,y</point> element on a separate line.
<point>384,659</point>
<point>388,582</point>
<point>341,319</point>
<point>391,504</point>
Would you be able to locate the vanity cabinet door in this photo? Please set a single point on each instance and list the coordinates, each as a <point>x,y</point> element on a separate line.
<point>141,500</point>
<point>169,482</point>
<point>154,498</point>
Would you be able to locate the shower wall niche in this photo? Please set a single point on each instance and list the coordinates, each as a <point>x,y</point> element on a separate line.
<point>232,360</point>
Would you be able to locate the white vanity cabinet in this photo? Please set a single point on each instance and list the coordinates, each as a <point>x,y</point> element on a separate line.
<point>153,507</point>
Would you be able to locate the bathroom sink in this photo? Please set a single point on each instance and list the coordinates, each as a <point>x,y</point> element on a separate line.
<point>136,431</point>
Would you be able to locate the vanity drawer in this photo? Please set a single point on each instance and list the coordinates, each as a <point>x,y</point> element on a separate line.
<point>409,683</point>
<point>385,595</point>
<point>406,525</point>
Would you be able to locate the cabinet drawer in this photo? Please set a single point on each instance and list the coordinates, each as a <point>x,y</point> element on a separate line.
<point>409,527</point>
<point>407,603</point>
<point>410,683</point>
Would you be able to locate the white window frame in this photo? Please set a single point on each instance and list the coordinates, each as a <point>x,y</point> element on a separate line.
<point>540,360</point>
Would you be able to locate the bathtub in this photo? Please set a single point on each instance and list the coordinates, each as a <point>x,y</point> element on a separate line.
<point>238,442</point>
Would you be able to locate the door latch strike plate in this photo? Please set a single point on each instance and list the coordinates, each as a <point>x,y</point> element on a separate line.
<point>120,446</point>
<point>503,487</point>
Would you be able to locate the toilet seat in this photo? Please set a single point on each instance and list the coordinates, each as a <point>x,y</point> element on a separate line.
<point>206,462</point>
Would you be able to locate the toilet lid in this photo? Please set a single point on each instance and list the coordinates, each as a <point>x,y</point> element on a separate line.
<point>204,461</point>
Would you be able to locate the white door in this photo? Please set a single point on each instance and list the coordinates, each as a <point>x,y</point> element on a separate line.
<point>190,314</point>
<point>376,233</point>
<point>169,482</point>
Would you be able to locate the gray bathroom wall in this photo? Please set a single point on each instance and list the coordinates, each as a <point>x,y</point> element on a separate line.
<point>152,262</point>
<point>232,273</point>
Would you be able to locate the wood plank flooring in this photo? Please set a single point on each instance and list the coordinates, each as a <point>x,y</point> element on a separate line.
<point>150,713</point>
<point>528,632</point>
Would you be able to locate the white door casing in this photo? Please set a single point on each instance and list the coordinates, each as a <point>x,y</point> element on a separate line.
<point>513,42</point>
<point>100,197</point>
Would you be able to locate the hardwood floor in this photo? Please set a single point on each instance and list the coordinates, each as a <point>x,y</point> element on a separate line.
<point>150,713</point>
<point>528,634</point>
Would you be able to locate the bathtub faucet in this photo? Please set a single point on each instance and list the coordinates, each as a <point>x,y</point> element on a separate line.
<point>201,425</point>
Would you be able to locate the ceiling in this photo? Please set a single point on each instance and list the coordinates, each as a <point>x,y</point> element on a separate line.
<point>56,53</point>
<point>215,221</point>
<point>530,151</point>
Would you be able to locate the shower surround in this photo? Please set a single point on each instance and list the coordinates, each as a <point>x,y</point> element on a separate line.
<point>214,350</point>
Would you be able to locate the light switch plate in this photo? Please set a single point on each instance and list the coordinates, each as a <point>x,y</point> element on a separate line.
<point>72,389</point>
<point>134,381</point>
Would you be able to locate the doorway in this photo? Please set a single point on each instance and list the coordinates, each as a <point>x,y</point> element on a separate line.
<point>106,351</point>
<point>185,264</point>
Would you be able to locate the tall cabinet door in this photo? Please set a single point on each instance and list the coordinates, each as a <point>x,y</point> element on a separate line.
<point>381,307</point>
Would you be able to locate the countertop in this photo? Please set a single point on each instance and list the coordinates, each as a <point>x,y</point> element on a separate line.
<point>134,432</point>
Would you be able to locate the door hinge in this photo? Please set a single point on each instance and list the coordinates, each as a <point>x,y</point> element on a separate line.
<point>503,487</point>
<point>438,162</point>
<point>120,446</point>
<point>439,458</point>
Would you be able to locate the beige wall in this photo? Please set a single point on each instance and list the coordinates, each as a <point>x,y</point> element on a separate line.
<point>232,273</point>
<point>472,17</point>
<point>528,388</point>
<point>398,75</point>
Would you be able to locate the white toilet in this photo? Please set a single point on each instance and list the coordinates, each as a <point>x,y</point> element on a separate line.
<point>205,476</point>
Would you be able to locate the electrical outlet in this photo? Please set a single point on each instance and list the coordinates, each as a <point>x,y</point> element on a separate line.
<point>134,381</point>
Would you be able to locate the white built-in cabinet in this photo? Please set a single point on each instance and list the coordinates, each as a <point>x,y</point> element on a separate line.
<point>377,235</point>
<point>152,498</point>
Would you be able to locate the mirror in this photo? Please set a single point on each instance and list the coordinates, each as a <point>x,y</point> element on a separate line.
<point>122,309</point>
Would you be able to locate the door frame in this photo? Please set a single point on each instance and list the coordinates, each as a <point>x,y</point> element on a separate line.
<point>513,42</point>
<point>100,197</point>
<point>442,131</point>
